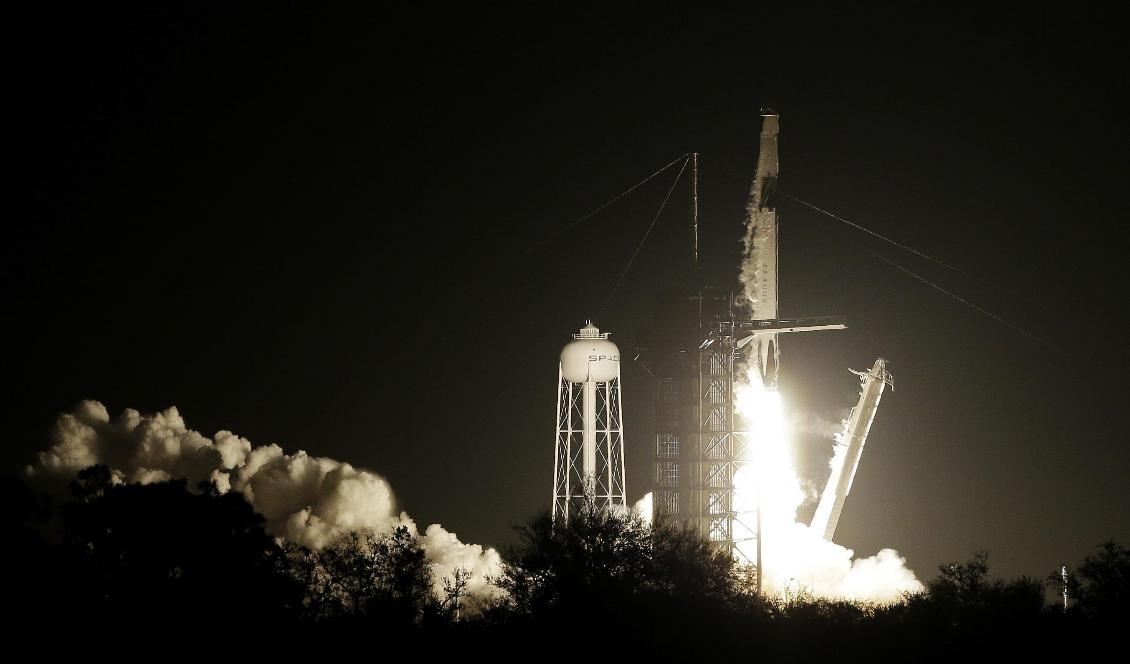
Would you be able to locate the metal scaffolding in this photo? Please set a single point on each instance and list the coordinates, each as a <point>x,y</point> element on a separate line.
<point>699,447</point>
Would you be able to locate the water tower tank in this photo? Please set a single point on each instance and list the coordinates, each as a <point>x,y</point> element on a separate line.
<point>590,356</point>
<point>588,457</point>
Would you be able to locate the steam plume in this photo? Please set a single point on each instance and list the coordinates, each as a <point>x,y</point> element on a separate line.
<point>304,499</point>
<point>645,507</point>
<point>794,556</point>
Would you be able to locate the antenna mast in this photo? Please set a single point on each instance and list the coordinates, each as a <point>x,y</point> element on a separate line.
<point>694,211</point>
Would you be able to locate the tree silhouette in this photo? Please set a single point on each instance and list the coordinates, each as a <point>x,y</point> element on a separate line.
<point>614,573</point>
<point>377,578</point>
<point>1101,585</point>
<point>32,582</point>
<point>964,611</point>
<point>967,588</point>
<point>159,552</point>
<point>130,559</point>
<point>594,558</point>
<point>455,593</point>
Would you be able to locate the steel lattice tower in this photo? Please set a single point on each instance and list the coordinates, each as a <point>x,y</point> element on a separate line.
<point>707,334</point>
<point>699,445</point>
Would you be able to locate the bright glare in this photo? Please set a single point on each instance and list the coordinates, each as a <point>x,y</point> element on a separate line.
<point>796,558</point>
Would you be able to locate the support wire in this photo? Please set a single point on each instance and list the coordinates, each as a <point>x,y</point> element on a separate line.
<point>644,238</point>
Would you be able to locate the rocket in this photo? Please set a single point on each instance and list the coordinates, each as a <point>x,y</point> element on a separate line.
<point>760,272</point>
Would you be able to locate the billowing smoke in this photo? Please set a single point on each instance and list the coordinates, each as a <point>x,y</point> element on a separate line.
<point>795,557</point>
<point>645,507</point>
<point>798,560</point>
<point>305,499</point>
<point>759,265</point>
<point>815,425</point>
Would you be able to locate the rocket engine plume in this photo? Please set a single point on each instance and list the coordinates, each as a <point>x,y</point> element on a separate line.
<point>767,490</point>
<point>794,553</point>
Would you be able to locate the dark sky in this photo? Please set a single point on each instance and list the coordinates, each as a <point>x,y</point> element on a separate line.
<point>313,227</point>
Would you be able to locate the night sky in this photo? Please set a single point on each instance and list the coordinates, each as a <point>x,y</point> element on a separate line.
<point>321,229</point>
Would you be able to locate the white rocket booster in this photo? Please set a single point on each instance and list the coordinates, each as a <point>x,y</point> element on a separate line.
<point>760,270</point>
<point>853,437</point>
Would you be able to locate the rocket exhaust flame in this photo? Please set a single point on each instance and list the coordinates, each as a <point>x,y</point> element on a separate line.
<point>794,553</point>
<point>766,488</point>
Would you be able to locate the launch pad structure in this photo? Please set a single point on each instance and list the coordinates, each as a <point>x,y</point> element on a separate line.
<point>708,342</point>
<point>707,336</point>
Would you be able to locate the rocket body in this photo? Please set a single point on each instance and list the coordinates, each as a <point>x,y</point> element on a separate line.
<point>759,272</point>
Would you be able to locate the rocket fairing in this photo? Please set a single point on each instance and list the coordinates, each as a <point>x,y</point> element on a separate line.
<point>852,439</point>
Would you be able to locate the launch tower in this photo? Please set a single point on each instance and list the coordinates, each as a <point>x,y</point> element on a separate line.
<point>705,334</point>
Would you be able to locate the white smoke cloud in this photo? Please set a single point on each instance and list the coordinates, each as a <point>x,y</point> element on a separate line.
<point>796,557</point>
<point>815,425</point>
<point>645,507</point>
<point>758,264</point>
<point>307,500</point>
<point>310,500</point>
<point>447,554</point>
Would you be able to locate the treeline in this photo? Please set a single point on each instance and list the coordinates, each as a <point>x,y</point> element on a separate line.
<point>160,562</point>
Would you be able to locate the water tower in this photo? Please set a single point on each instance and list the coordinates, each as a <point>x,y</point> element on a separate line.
<point>588,464</point>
